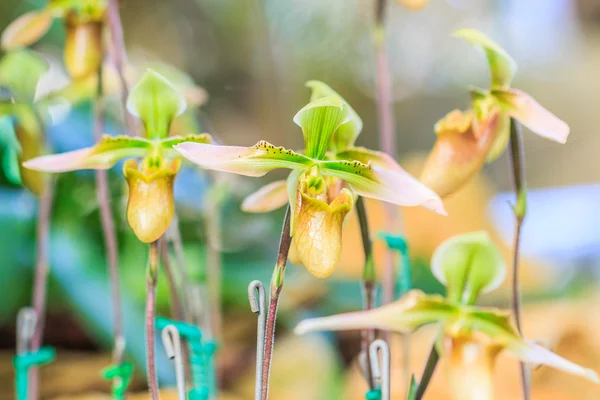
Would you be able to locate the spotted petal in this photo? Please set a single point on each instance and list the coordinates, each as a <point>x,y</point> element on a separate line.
<point>502,66</point>
<point>268,198</point>
<point>393,185</point>
<point>532,114</point>
<point>249,161</point>
<point>103,155</point>
<point>412,311</point>
<point>169,143</point>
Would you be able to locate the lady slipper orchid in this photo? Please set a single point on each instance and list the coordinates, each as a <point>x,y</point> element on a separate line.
<point>314,187</point>
<point>150,207</point>
<point>467,140</point>
<point>22,127</point>
<point>471,336</point>
<point>83,21</point>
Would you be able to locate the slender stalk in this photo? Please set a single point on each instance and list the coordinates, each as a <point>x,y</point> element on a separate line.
<point>110,237</point>
<point>368,285</point>
<point>517,163</point>
<point>151,280</point>
<point>119,56</point>
<point>428,371</point>
<point>40,282</point>
<point>174,292</point>
<point>213,264</point>
<point>276,288</point>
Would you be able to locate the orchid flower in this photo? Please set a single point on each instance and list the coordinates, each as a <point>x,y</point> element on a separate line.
<point>151,206</point>
<point>314,191</point>
<point>468,139</point>
<point>471,336</point>
<point>83,21</point>
<point>21,125</point>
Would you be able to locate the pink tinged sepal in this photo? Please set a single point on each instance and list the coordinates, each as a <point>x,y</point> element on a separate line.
<point>27,29</point>
<point>268,198</point>
<point>412,311</point>
<point>249,161</point>
<point>532,114</point>
<point>103,155</point>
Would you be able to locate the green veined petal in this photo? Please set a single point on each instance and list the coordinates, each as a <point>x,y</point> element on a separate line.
<point>348,132</point>
<point>319,119</point>
<point>502,66</point>
<point>103,155</point>
<point>533,115</point>
<point>249,161</point>
<point>395,186</point>
<point>407,314</point>
<point>156,102</point>
<point>268,198</point>
<point>468,265</point>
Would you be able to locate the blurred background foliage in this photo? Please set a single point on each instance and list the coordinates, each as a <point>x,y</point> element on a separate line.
<point>252,57</point>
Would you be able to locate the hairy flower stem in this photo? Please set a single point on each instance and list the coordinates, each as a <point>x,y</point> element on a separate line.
<point>517,163</point>
<point>110,237</point>
<point>40,280</point>
<point>276,288</point>
<point>119,56</point>
<point>368,285</point>
<point>151,279</point>
<point>428,371</point>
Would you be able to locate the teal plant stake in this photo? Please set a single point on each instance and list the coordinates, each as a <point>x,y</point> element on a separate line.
<point>121,376</point>
<point>201,358</point>
<point>25,359</point>
<point>404,272</point>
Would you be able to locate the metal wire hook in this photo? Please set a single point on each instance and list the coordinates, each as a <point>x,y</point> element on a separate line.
<point>172,342</point>
<point>381,371</point>
<point>26,322</point>
<point>258,306</point>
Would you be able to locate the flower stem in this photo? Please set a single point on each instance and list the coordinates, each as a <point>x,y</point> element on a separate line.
<point>368,284</point>
<point>40,282</point>
<point>517,163</point>
<point>176,304</point>
<point>110,237</point>
<point>213,264</point>
<point>428,371</point>
<point>151,279</point>
<point>276,288</point>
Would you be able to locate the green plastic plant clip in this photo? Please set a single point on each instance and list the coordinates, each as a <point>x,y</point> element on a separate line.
<point>24,361</point>
<point>201,358</point>
<point>121,376</point>
<point>404,271</point>
<point>374,394</point>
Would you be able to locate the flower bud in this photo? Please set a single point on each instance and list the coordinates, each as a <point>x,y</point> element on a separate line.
<point>461,149</point>
<point>317,236</point>
<point>151,204</point>
<point>83,46</point>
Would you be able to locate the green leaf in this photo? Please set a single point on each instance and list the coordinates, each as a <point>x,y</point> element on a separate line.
<point>20,71</point>
<point>393,185</point>
<point>319,119</point>
<point>502,66</point>
<point>156,102</point>
<point>103,155</point>
<point>348,132</point>
<point>411,393</point>
<point>468,265</point>
<point>413,310</point>
<point>249,161</point>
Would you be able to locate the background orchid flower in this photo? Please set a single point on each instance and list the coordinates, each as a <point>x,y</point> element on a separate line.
<point>471,336</point>
<point>466,140</point>
<point>21,126</point>
<point>330,127</point>
<point>83,21</point>
<point>150,207</point>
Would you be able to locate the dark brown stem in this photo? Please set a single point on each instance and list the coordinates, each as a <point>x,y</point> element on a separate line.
<point>517,162</point>
<point>368,284</point>
<point>276,288</point>
<point>151,280</point>
<point>40,280</point>
<point>110,237</point>
<point>432,361</point>
<point>119,55</point>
